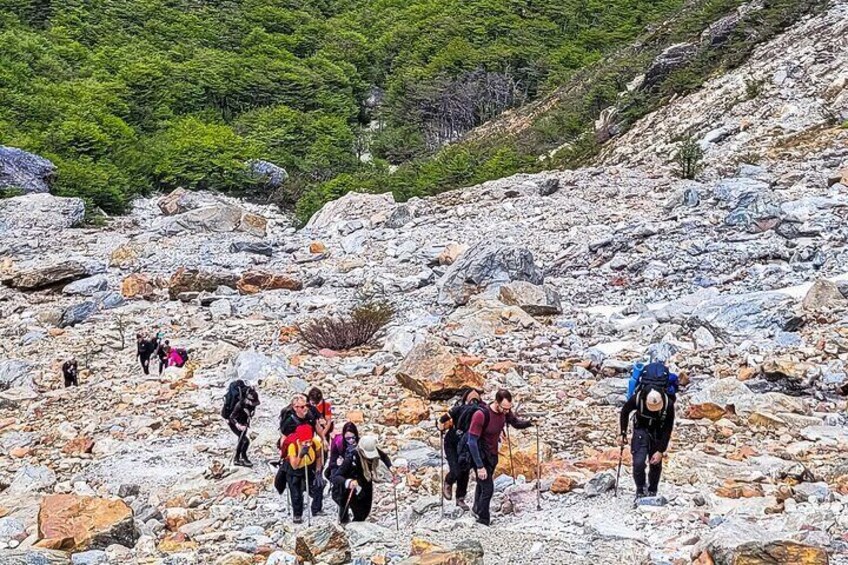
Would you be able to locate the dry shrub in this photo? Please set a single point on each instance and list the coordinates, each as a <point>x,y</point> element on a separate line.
<point>346,332</point>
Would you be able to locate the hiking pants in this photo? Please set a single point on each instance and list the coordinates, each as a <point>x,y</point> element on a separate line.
<point>360,505</point>
<point>243,443</point>
<point>452,456</point>
<point>485,489</point>
<point>163,362</point>
<point>145,363</point>
<point>297,485</point>
<point>70,380</point>
<point>643,446</point>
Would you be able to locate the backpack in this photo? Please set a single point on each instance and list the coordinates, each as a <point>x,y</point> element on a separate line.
<point>654,376</point>
<point>183,353</point>
<point>235,392</point>
<point>289,420</point>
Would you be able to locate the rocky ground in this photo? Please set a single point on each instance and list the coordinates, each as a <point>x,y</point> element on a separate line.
<point>550,284</point>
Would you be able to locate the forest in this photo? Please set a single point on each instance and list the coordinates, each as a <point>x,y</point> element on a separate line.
<point>132,96</point>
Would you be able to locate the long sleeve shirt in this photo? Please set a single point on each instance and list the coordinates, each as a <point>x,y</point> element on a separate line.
<point>655,423</point>
<point>490,434</point>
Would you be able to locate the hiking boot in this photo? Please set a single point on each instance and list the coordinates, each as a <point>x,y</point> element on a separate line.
<point>447,491</point>
<point>641,493</point>
<point>238,462</point>
<point>483,522</point>
<point>460,502</point>
<point>297,519</point>
<point>245,462</point>
<point>652,493</point>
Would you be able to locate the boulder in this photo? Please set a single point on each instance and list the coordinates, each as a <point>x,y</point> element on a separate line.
<point>25,171</point>
<point>40,211</point>
<point>217,218</point>
<point>194,280</point>
<point>252,282</point>
<point>351,206</point>
<point>523,460</point>
<point>468,552</point>
<point>483,266</point>
<point>138,285</point>
<point>30,479</point>
<point>823,295</point>
<point>746,316</point>
<point>235,558</point>
<point>71,522</point>
<point>720,31</point>
<point>451,253</point>
<point>34,556</point>
<point>399,217</point>
<point>600,483</point>
<point>737,542</point>
<point>15,373</point>
<point>418,454</point>
<point>255,247</point>
<point>410,411</point>
<point>707,410</point>
<point>179,201</point>
<point>431,371</point>
<point>253,224</point>
<point>87,286</point>
<point>271,176</point>
<point>546,187</point>
<point>534,299</point>
<point>327,543</point>
<point>78,313</point>
<point>671,59</point>
<point>49,275</point>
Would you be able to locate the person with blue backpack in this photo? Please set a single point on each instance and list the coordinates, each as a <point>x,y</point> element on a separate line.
<point>651,400</point>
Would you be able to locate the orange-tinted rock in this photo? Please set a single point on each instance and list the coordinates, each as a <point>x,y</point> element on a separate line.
<point>431,371</point>
<point>317,247</point>
<point>605,459</point>
<point>137,285</point>
<point>707,410</point>
<point>563,484</point>
<point>732,489</point>
<point>355,416</point>
<point>252,282</point>
<point>177,542</point>
<point>524,460</point>
<point>240,489</point>
<point>78,446</point>
<point>71,522</point>
<point>410,411</point>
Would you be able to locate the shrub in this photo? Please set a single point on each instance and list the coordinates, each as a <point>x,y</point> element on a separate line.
<point>351,330</point>
<point>689,158</point>
<point>753,88</point>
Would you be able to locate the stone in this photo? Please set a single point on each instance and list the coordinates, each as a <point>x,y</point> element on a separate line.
<point>327,543</point>
<point>40,211</point>
<point>179,201</point>
<point>24,171</point>
<point>252,282</point>
<point>733,489</point>
<point>450,253</point>
<point>12,528</point>
<point>600,483</point>
<point>351,206</point>
<point>316,247</point>
<point>34,556</point>
<point>652,501</point>
<point>30,479</point>
<point>704,340</point>
<point>431,371</point>
<point>523,460</point>
<point>823,295</point>
<point>483,266</point>
<point>410,411</point>
<point>71,522</point>
<point>468,552</point>
<point>217,218</point>
<point>548,186</point>
<point>138,285</point>
<point>92,557</point>
<point>418,454</point>
<point>253,224</point>
<point>563,484</point>
<point>78,313</point>
<point>16,373</point>
<point>746,316</point>
<point>255,247</point>
<point>534,299</point>
<point>363,533</point>
<point>672,58</point>
<point>87,286</point>
<point>281,558</point>
<point>194,280</point>
<point>399,217</point>
<point>707,410</point>
<point>736,542</point>
<point>270,176</point>
<point>49,275</point>
<point>235,558</point>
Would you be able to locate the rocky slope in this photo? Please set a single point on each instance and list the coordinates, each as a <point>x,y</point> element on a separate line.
<point>550,284</point>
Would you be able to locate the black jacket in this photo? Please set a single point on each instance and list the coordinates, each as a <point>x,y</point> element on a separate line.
<point>242,413</point>
<point>351,468</point>
<point>657,424</point>
<point>69,369</point>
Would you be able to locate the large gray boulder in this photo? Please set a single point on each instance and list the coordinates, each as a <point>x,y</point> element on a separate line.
<point>78,313</point>
<point>673,58</point>
<point>48,275</point>
<point>25,171</point>
<point>40,211</point>
<point>86,287</point>
<point>15,373</point>
<point>34,557</point>
<point>351,206</point>
<point>534,299</point>
<point>746,316</point>
<point>484,266</point>
<point>272,176</point>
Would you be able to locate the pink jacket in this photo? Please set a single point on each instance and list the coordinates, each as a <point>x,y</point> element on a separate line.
<point>174,359</point>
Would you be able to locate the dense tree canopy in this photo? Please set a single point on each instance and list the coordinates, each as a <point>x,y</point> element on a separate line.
<point>127,96</point>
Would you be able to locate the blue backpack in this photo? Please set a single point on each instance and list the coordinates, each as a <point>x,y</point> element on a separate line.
<point>652,376</point>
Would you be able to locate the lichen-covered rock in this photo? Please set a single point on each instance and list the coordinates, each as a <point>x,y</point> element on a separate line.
<point>323,544</point>
<point>71,522</point>
<point>195,280</point>
<point>252,282</point>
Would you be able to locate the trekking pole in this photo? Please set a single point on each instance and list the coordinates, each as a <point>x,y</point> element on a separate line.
<point>346,506</point>
<point>441,467</point>
<point>241,437</point>
<point>618,472</point>
<point>538,471</point>
<point>397,520</point>
<point>308,499</point>
<point>511,464</point>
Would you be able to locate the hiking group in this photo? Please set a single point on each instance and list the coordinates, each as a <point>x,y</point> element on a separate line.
<point>470,433</point>
<point>168,356</point>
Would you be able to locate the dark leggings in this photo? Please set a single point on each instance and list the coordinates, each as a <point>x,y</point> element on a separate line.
<point>163,362</point>
<point>643,446</point>
<point>243,443</point>
<point>145,363</point>
<point>297,486</point>
<point>456,474</point>
<point>484,491</point>
<point>71,380</point>
<point>360,505</point>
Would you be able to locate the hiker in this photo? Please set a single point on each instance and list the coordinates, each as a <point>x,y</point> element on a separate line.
<point>653,371</point>
<point>355,478</point>
<point>177,357</point>
<point>303,456</point>
<point>325,411</point>
<point>481,444</point>
<point>239,422</point>
<point>162,351</point>
<point>454,424</point>
<point>299,413</point>
<point>340,446</point>
<point>144,350</point>
<point>71,372</point>
<point>652,425</point>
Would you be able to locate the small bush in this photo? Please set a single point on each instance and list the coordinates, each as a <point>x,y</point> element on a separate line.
<point>689,159</point>
<point>352,330</point>
<point>753,88</point>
